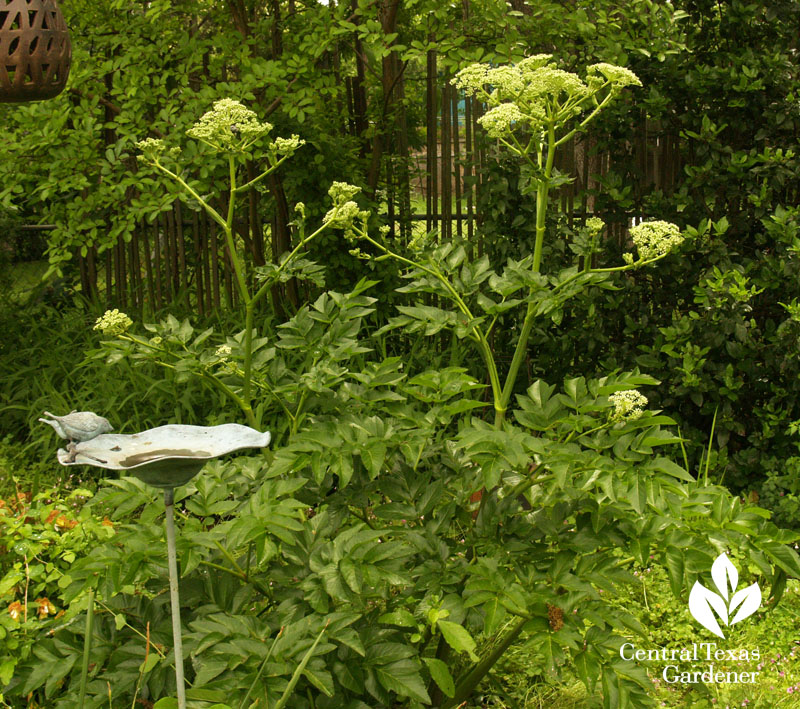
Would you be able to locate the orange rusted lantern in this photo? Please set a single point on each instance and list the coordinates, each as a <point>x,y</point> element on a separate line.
<point>35,51</point>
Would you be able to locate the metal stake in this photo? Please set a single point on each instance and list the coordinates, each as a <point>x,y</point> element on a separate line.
<point>174,597</point>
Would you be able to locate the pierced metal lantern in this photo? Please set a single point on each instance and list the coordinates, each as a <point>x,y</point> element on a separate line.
<point>35,51</point>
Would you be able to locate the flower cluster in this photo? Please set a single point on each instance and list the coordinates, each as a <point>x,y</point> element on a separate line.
<point>345,211</point>
<point>535,91</point>
<point>341,192</point>
<point>113,322</point>
<point>498,121</point>
<point>229,126</point>
<point>223,352</point>
<point>152,148</point>
<point>628,405</point>
<point>547,80</point>
<point>286,146</point>
<point>471,79</point>
<point>618,76</point>
<point>595,225</point>
<point>654,239</point>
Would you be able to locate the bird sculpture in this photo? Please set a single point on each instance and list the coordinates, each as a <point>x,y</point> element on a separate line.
<point>76,427</point>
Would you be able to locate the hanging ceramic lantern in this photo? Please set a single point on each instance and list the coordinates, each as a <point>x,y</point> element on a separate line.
<point>35,50</point>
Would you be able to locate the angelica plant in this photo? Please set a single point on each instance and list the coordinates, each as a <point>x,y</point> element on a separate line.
<point>534,108</point>
<point>234,132</point>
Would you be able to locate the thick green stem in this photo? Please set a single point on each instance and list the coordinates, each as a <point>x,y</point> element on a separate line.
<point>248,355</point>
<point>174,597</point>
<point>541,212</point>
<point>241,280</point>
<point>541,197</point>
<point>87,647</point>
<point>471,680</point>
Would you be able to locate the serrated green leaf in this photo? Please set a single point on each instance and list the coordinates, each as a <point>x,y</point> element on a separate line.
<point>588,669</point>
<point>441,675</point>
<point>403,677</point>
<point>458,638</point>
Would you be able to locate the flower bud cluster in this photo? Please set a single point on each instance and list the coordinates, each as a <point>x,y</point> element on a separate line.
<point>619,76</point>
<point>534,91</point>
<point>594,225</point>
<point>345,211</point>
<point>498,121</point>
<point>113,322</point>
<point>229,126</point>
<point>152,148</point>
<point>286,146</point>
<point>223,352</point>
<point>628,405</point>
<point>654,239</point>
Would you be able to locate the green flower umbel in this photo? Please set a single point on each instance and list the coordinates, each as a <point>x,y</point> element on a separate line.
<point>113,322</point>
<point>628,405</point>
<point>654,239</point>
<point>229,127</point>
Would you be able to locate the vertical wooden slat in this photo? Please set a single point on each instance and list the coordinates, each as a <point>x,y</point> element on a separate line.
<point>136,271</point>
<point>202,226</point>
<point>212,230</point>
<point>91,267</point>
<point>184,281</point>
<point>156,255</point>
<point>468,168</point>
<point>172,259</point>
<point>198,265</point>
<point>119,274</point>
<point>109,278</point>
<point>431,142</point>
<point>85,288</point>
<point>148,268</point>
<point>457,166</point>
<point>390,194</point>
<point>446,172</point>
<point>479,158</point>
<point>403,163</point>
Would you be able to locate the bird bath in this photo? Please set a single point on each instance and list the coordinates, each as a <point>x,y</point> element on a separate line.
<point>165,457</point>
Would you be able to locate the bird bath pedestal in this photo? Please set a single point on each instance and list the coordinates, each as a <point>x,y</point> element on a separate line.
<point>165,457</point>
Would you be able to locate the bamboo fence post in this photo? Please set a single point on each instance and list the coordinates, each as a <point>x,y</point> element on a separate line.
<point>156,255</point>
<point>468,168</point>
<point>184,281</point>
<point>198,265</point>
<point>457,165</point>
<point>148,268</point>
<point>109,277</point>
<point>211,232</point>
<point>446,171</point>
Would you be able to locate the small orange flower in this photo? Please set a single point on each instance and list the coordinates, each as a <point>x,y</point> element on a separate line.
<point>64,523</point>
<point>45,607</point>
<point>15,610</point>
<point>53,514</point>
<point>107,522</point>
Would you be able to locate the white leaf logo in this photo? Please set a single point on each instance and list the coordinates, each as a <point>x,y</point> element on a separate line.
<point>703,603</point>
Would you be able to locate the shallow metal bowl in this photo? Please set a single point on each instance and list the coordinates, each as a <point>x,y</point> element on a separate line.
<point>166,456</point>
